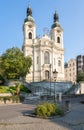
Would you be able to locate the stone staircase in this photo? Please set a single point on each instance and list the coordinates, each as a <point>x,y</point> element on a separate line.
<point>40,88</point>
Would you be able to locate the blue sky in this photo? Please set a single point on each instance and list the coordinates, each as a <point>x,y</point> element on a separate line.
<point>71,17</point>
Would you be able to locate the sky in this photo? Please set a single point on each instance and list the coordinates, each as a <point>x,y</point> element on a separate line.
<point>71,18</point>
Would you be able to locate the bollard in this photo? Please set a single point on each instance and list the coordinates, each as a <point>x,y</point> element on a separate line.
<point>60,97</point>
<point>68,105</point>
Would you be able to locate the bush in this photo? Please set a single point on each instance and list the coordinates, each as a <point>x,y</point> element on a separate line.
<point>48,109</point>
<point>59,111</point>
<point>14,99</point>
<point>4,89</point>
<point>41,110</point>
<point>24,89</point>
<point>12,89</point>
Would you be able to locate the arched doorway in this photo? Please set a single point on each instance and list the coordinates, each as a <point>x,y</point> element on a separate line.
<point>46,74</point>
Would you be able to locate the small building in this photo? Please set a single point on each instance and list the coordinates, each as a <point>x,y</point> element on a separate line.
<point>80,63</point>
<point>70,71</point>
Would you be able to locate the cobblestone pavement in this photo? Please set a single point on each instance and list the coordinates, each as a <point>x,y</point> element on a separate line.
<point>75,116</point>
<point>29,123</point>
<point>73,120</point>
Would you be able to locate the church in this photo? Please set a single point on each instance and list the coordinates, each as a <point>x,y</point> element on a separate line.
<point>47,52</point>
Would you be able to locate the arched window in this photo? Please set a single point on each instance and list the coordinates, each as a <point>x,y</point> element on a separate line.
<point>59,63</point>
<point>58,39</point>
<point>30,35</point>
<point>46,57</point>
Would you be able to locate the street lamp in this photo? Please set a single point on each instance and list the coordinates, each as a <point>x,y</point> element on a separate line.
<point>50,79</point>
<point>55,73</point>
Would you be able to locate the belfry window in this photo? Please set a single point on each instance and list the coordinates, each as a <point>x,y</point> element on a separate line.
<point>58,39</point>
<point>46,57</point>
<point>30,35</point>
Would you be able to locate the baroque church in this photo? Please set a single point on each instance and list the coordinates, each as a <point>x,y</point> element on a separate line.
<point>47,53</point>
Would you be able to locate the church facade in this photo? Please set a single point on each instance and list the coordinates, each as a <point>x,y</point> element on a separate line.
<point>47,53</point>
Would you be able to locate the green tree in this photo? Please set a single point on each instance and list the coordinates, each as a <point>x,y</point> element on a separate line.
<point>1,77</point>
<point>65,65</point>
<point>1,80</point>
<point>0,67</point>
<point>14,64</point>
<point>80,76</point>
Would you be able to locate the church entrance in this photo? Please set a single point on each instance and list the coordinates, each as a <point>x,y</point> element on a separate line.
<point>46,74</point>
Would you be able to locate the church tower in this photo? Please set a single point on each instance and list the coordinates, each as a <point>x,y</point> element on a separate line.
<point>29,31</point>
<point>56,33</point>
<point>56,36</point>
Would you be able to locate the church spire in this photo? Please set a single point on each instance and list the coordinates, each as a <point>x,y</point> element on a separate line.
<point>29,14</point>
<point>56,17</point>
<point>29,10</point>
<point>55,20</point>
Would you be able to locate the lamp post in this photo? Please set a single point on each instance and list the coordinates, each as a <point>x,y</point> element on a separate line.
<point>55,73</point>
<point>50,79</point>
<point>33,61</point>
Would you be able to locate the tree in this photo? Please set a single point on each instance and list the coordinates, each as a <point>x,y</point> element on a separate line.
<point>1,80</point>
<point>14,64</point>
<point>80,76</point>
<point>1,77</point>
<point>65,65</point>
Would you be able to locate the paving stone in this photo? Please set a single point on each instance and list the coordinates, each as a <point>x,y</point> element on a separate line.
<point>74,120</point>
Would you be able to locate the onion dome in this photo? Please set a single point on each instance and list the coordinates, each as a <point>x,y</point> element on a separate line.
<point>56,21</point>
<point>29,15</point>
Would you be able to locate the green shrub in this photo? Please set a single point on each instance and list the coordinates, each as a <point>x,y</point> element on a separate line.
<point>48,109</point>
<point>4,89</point>
<point>14,99</point>
<point>41,110</point>
<point>59,111</point>
<point>24,89</point>
<point>12,89</point>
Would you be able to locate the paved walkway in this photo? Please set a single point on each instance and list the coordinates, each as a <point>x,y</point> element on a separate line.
<point>74,120</point>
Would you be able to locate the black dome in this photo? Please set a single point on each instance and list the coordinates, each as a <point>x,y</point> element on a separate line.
<point>29,11</point>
